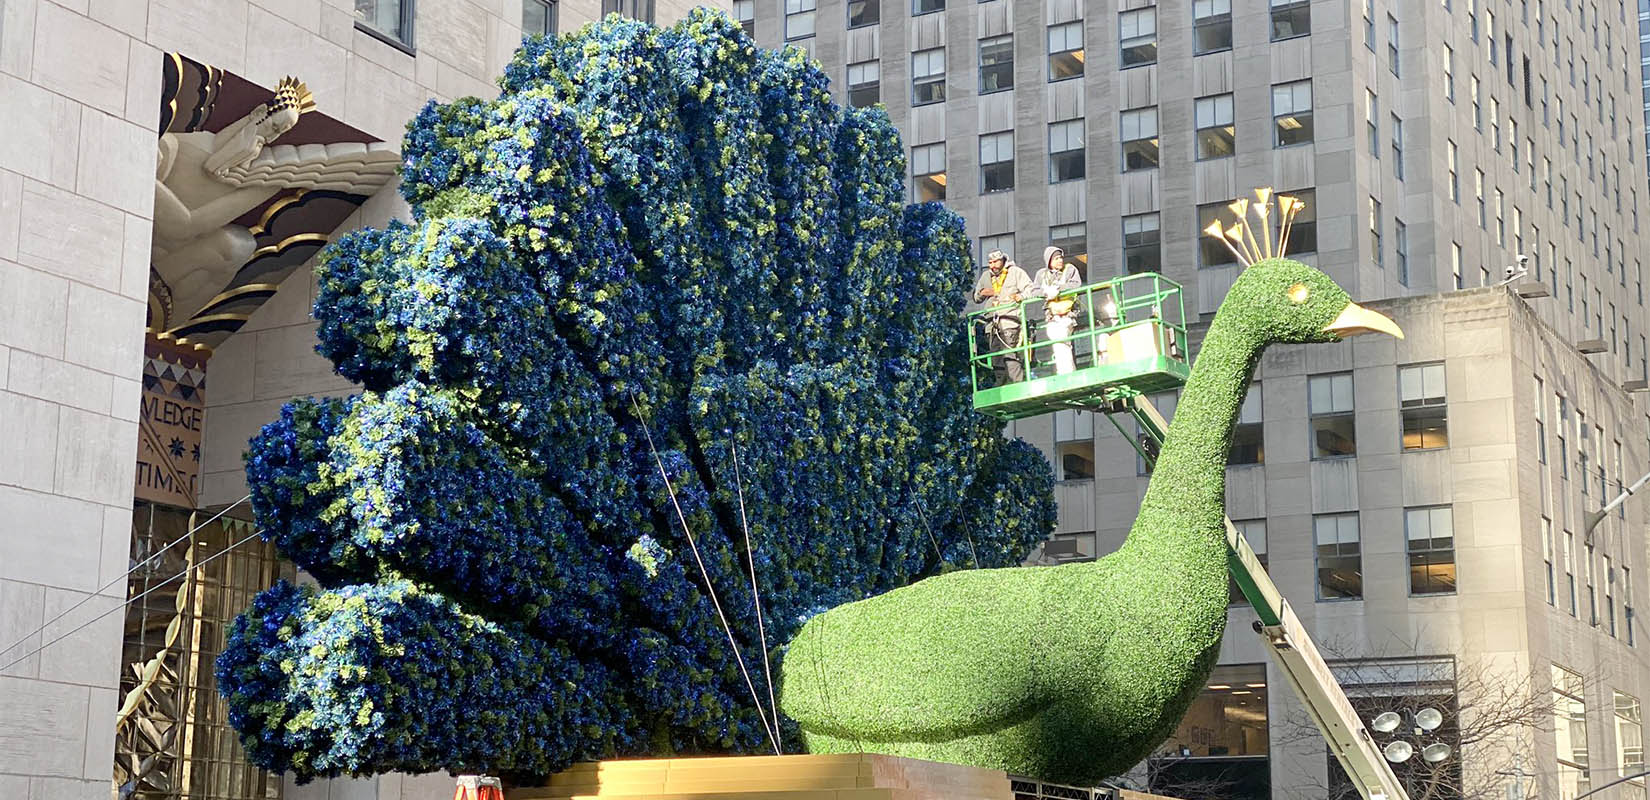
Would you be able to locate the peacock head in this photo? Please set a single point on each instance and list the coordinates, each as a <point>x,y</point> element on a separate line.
<point>1278,299</point>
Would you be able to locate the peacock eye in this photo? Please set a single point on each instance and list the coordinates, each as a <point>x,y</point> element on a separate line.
<point>1299,292</point>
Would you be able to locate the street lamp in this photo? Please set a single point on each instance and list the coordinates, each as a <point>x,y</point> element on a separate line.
<point>1595,517</point>
<point>1421,722</point>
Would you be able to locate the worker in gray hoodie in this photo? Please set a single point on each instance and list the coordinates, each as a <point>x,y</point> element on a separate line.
<point>1055,277</point>
<point>1001,286</point>
<point>1059,321</point>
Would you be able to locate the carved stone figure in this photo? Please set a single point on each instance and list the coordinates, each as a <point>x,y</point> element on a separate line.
<point>204,181</point>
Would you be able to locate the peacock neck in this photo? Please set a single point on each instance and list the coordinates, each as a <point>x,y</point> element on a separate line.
<point>1186,500</point>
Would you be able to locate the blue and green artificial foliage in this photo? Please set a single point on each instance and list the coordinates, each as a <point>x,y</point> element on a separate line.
<point>651,234</point>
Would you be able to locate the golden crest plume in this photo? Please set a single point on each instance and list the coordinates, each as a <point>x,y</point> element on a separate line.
<point>292,93</point>
<point>1240,236</point>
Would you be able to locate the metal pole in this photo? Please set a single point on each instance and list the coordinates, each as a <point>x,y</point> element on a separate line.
<point>1595,517</point>
<point>1612,783</point>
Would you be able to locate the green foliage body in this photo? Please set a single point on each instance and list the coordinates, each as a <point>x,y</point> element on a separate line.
<point>1071,673</point>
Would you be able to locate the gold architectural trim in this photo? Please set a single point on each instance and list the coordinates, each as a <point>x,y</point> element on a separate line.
<point>231,294</point>
<point>278,247</point>
<point>276,207</point>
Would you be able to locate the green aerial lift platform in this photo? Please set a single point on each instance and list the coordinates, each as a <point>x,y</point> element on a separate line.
<point>1128,341</point>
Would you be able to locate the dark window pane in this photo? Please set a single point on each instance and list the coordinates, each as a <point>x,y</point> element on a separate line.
<point>1065,65</point>
<point>1065,166</point>
<point>1247,445</point>
<point>864,12</point>
<point>1294,129</point>
<point>930,187</point>
<point>1425,428</point>
<point>1214,34</point>
<point>1140,53</point>
<point>1139,154</point>
<point>867,95</point>
<point>1291,21</point>
<point>925,6</point>
<point>1216,142</point>
<point>1334,436</point>
<point>998,177</point>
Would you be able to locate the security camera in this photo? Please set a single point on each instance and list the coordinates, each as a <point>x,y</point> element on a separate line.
<point>1512,270</point>
<point>1523,259</point>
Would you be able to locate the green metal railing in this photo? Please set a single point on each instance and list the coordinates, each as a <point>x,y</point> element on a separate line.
<point>1129,338</point>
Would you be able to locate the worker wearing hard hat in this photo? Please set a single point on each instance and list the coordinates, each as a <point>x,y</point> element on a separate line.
<point>1001,286</point>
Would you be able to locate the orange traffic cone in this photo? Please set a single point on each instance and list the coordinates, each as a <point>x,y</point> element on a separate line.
<point>478,787</point>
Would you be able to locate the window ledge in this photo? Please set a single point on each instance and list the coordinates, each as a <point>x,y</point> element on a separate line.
<point>386,38</point>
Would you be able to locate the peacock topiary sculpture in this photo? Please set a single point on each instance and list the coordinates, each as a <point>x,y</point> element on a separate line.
<point>1076,672</point>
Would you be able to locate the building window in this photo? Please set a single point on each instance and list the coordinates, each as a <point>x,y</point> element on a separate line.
<point>1629,737</point>
<point>1369,25</point>
<point>1372,122</point>
<point>1000,241</point>
<point>538,17</point>
<point>1478,194</point>
<point>1400,249</point>
<point>799,19</point>
<point>1392,43</point>
<point>1449,73</point>
<point>1547,560</point>
<point>1421,402</point>
<point>1375,251</point>
<point>928,172</point>
<point>1570,567</point>
<point>1329,402</point>
<point>388,19</point>
<point>1141,244</point>
<point>926,6</point>
<point>1138,130</point>
<point>1291,18</point>
<point>996,64</point>
<point>635,9</point>
<point>1627,602</point>
<point>1073,241</point>
<point>1066,156</point>
<point>1074,445</point>
<point>1212,21</point>
<point>1137,38</point>
<point>1500,219</point>
<point>1065,51</point>
<point>928,76</point>
<point>1224,733</point>
<point>1455,263</point>
<point>864,84</point>
<point>1211,253</point>
<point>1340,561</point>
<point>1477,104</point>
<point>1570,732</point>
<point>1610,595</point>
<point>744,12</point>
<point>1248,445</point>
<point>864,12</point>
<point>997,162</point>
<point>1292,113</point>
<point>1216,135</point>
<point>1431,536</point>
<point>1452,159</point>
<point>1254,532</point>
<point>1303,227</point>
<point>1397,147</point>
<point>1495,124</point>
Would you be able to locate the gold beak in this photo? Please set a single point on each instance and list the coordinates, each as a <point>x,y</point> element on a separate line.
<point>1355,320</point>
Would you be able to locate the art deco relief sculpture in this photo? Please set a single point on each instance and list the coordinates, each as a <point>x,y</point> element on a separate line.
<point>204,181</point>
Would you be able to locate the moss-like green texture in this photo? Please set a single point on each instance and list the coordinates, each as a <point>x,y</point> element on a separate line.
<point>1071,673</point>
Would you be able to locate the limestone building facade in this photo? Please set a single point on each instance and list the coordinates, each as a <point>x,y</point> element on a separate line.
<point>85,401</point>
